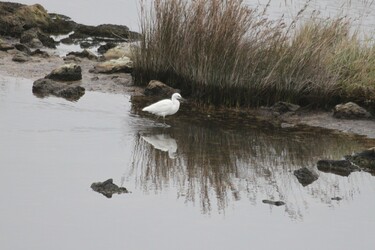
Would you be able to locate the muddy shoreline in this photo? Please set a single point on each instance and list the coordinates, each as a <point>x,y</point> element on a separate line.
<point>122,83</point>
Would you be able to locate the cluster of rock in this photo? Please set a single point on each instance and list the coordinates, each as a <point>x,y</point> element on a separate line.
<point>362,161</point>
<point>32,26</point>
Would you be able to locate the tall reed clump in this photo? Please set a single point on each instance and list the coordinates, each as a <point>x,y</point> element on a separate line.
<point>224,53</point>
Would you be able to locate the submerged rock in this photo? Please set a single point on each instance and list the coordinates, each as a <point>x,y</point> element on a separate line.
<point>67,72</point>
<point>305,176</point>
<point>70,91</point>
<point>157,88</point>
<point>108,188</point>
<point>275,203</point>
<point>350,110</point>
<point>339,167</point>
<point>365,160</point>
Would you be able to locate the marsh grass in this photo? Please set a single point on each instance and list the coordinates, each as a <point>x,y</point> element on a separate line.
<point>224,53</point>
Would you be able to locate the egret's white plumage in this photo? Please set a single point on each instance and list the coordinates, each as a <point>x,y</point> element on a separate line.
<point>165,107</point>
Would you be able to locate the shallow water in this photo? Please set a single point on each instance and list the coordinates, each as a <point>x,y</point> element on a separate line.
<point>198,184</point>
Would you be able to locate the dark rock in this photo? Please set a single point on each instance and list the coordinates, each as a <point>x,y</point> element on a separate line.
<point>21,57</point>
<point>33,37</point>
<point>284,107</point>
<point>84,54</point>
<point>85,45</point>
<point>336,198</point>
<point>23,48</point>
<point>103,30</point>
<point>275,203</point>
<point>60,24</point>
<point>340,167</point>
<point>44,87</point>
<point>108,188</point>
<point>67,72</point>
<point>350,110</point>
<point>104,48</point>
<point>67,40</point>
<point>305,176</point>
<point>157,88</point>
<point>365,160</point>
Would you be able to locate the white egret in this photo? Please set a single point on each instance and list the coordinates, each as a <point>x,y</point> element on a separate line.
<point>165,107</point>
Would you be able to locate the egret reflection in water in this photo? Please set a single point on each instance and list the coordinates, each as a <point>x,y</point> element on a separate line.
<point>163,142</point>
<point>217,165</point>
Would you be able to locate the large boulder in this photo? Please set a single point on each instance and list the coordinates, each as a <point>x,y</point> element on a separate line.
<point>339,167</point>
<point>305,176</point>
<point>365,160</point>
<point>121,65</point>
<point>350,110</point>
<point>70,91</point>
<point>108,188</point>
<point>67,72</point>
<point>157,88</point>
<point>16,18</point>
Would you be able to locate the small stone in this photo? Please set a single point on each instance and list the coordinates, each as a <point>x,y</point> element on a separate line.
<point>108,188</point>
<point>21,57</point>
<point>275,203</point>
<point>305,176</point>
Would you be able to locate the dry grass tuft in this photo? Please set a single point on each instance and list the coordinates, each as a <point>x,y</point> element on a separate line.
<point>224,53</point>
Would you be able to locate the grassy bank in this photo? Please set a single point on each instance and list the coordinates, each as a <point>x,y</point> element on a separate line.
<point>224,53</point>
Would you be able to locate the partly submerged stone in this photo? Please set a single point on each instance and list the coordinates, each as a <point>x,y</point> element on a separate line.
<point>365,160</point>
<point>339,167</point>
<point>67,72</point>
<point>275,203</point>
<point>305,176</point>
<point>350,110</point>
<point>120,65</point>
<point>157,88</point>
<point>108,188</point>
<point>70,91</point>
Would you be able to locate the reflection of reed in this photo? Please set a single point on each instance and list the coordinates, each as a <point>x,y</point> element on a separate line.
<point>215,165</point>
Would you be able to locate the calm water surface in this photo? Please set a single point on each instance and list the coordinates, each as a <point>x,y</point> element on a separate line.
<point>198,184</point>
